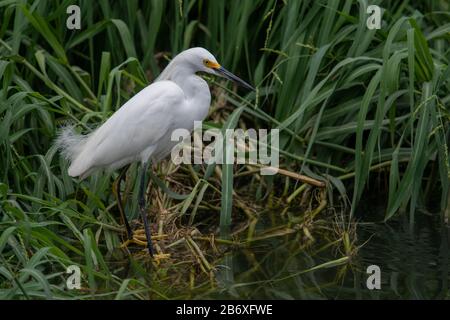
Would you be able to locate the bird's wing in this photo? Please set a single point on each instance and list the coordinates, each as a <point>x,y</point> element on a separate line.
<point>136,126</point>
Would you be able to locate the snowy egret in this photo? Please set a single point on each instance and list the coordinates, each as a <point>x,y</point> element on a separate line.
<point>141,129</point>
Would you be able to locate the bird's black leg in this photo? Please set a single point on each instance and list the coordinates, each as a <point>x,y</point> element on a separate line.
<point>142,189</point>
<point>120,204</point>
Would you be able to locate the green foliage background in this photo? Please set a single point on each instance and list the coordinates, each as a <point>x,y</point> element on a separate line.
<point>350,103</point>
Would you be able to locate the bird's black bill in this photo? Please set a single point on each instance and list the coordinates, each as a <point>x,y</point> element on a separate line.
<point>228,75</point>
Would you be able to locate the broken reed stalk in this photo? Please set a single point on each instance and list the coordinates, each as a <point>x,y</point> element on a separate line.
<point>296,176</point>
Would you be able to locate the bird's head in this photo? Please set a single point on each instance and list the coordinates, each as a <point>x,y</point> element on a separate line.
<point>203,61</point>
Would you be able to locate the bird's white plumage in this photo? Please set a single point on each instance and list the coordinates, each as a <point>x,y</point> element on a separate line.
<point>135,127</point>
<point>141,129</point>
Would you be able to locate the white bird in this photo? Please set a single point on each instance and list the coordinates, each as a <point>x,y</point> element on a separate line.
<point>141,129</point>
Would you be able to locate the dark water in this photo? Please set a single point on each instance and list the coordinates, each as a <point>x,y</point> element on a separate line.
<point>414,264</point>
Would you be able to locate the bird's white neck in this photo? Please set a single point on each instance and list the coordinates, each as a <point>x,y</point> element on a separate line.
<point>196,89</point>
<point>185,77</point>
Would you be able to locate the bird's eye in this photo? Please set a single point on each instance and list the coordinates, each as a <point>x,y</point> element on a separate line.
<point>210,64</point>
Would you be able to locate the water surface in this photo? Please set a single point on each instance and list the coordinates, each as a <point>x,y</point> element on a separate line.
<point>414,264</point>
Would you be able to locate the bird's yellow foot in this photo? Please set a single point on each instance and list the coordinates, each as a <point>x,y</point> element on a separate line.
<point>157,258</point>
<point>140,239</point>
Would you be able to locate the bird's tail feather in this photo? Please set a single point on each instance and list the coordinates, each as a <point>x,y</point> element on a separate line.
<point>70,144</point>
